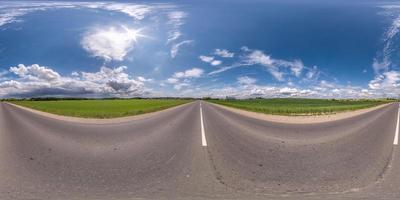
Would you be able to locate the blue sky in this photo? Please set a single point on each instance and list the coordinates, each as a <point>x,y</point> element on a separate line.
<point>210,48</point>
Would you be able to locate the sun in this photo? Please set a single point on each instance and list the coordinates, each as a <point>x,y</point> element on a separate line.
<point>134,33</point>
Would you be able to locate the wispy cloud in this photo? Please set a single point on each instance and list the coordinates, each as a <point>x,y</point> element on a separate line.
<point>276,67</point>
<point>175,19</point>
<point>226,68</point>
<point>12,11</point>
<point>383,61</point>
<point>175,48</point>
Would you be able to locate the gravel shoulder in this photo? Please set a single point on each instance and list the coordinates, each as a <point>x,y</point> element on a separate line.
<point>309,119</point>
<point>96,120</point>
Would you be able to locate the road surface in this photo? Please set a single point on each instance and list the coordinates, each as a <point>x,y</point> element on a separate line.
<point>198,151</point>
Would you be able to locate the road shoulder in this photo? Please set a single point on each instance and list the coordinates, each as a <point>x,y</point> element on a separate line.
<point>300,119</point>
<point>96,120</point>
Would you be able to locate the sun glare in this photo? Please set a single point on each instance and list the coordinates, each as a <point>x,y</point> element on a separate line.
<point>134,33</point>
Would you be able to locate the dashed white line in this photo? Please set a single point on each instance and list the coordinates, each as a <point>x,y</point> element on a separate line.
<point>203,135</point>
<point>396,136</point>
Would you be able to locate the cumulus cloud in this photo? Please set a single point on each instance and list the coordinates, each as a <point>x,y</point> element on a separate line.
<point>206,59</point>
<point>36,80</point>
<point>223,53</point>
<point>387,81</point>
<point>248,88</point>
<point>182,79</point>
<point>210,59</point>
<point>110,43</point>
<point>190,73</point>
<point>216,62</point>
<point>172,80</point>
<point>35,72</point>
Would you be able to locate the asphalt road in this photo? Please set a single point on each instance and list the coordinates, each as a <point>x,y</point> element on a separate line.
<point>198,151</point>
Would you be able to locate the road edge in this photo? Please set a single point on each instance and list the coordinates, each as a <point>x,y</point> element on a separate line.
<point>301,119</point>
<point>97,120</point>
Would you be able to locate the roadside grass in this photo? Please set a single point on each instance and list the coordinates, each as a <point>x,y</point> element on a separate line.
<point>297,106</point>
<point>101,108</point>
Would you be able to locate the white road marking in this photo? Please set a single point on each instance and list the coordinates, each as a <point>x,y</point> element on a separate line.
<point>396,137</point>
<point>203,135</point>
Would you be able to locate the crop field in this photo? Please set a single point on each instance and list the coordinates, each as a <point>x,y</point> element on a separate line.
<point>292,106</point>
<point>101,108</point>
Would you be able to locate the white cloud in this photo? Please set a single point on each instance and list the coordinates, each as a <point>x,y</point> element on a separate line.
<point>383,61</point>
<point>179,86</point>
<point>3,75</point>
<point>210,59</point>
<point>137,11</point>
<point>312,73</point>
<point>226,68</point>
<point>172,80</point>
<point>206,59</point>
<point>143,79</point>
<point>380,66</point>
<point>11,12</point>
<point>175,48</point>
<point>296,67</point>
<point>276,67</point>
<point>110,43</point>
<point>386,81</point>
<point>176,20</point>
<point>216,62</point>
<point>252,90</point>
<point>258,57</point>
<point>35,72</point>
<point>245,48</point>
<point>182,79</point>
<point>190,73</point>
<point>36,80</point>
<point>223,53</point>
<point>245,80</point>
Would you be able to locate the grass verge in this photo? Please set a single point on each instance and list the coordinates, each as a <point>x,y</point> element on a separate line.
<point>295,106</point>
<point>101,108</point>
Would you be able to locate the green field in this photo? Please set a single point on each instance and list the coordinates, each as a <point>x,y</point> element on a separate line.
<point>101,108</point>
<point>292,106</point>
